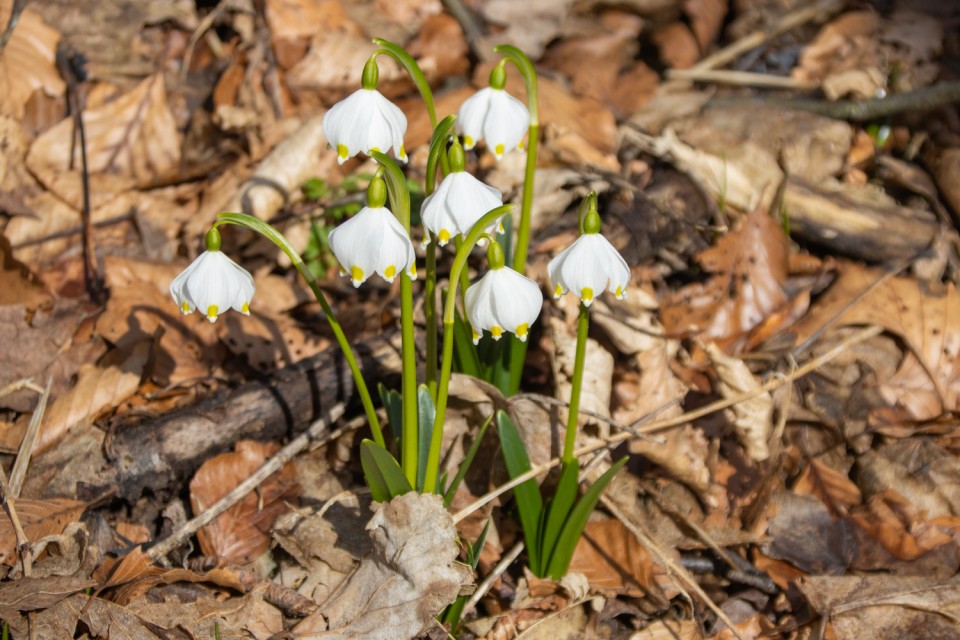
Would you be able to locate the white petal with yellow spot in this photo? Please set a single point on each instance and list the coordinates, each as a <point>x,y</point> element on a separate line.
<point>457,204</point>
<point>587,267</point>
<point>503,300</point>
<point>495,116</point>
<point>365,121</point>
<point>373,241</point>
<point>213,283</point>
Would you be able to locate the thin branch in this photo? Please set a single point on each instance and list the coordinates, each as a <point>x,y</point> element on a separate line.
<point>19,472</point>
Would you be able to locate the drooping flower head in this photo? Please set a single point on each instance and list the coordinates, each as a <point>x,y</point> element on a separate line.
<point>590,264</point>
<point>365,121</point>
<point>373,241</point>
<point>213,283</point>
<point>494,115</point>
<point>502,300</point>
<point>458,203</point>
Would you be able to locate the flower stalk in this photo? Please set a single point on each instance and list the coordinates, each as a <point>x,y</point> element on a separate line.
<point>569,441</point>
<point>267,231</point>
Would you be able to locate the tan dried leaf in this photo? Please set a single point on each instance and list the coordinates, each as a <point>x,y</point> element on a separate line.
<point>750,266</point>
<point>99,389</point>
<point>39,518</point>
<point>886,607</point>
<point>899,526</point>
<point>929,324</point>
<point>240,534</point>
<point>752,418</point>
<point>831,487</point>
<point>32,594</point>
<point>28,63</point>
<point>398,590</point>
<point>132,141</point>
<point>531,25</point>
<point>614,561</point>
<point>108,620</point>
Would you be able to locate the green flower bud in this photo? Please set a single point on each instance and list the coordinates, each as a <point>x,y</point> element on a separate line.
<point>457,159</point>
<point>498,76</point>
<point>371,74</point>
<point>376,193</point>
<point>212,240</point>
<point>495,256</point>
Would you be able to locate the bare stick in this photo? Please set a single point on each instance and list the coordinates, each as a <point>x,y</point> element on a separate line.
<point>19,472</point>
<point>271,466</point>
<point>23,545</point>
<point>742,79</point>
<point>482,588</point>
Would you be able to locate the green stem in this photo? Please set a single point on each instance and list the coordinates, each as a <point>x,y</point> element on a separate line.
<point>583,325</point>
<point>525,66</point>
<point>264,229</point>
<point>400,205</point>
<point>406,61</point>
<point>449,310</point>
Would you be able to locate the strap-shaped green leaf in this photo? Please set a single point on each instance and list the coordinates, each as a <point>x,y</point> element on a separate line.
<point>527,494</point>
<point>573,528</point>
<point>393,404</point>
<point>558,509</point>
<point>384,476</point>
<point>465,465</point>
<point>464,351</point>
<point>426,414</point>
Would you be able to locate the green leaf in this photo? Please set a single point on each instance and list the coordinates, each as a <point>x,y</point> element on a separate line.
<point>465,465</point>
<point>464,352</point>
<point>426,414</point>
<point>314,189</point>
<point>393,404</point>
<point>473,550</point>
<point>527,494</point>
<point>573,528</point>
<point>557,510</point>
<point>384,476</point>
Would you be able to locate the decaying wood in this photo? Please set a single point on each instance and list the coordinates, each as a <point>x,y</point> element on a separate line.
<point>162,454</point>
<point>872,231</point>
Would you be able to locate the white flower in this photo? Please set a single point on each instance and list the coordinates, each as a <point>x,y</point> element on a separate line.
<point>456,205</point>
<point>365,121</point>
<point>587,267</point>
<point>503,300</point>
<point>213,283</point>
<point>497,117</point>
<point>373,241</point>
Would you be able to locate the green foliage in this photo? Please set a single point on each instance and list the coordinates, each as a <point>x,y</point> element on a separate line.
<point>426,414</point>
<point>453,613</point>
<point>550,532</point>
<point>384,476</point>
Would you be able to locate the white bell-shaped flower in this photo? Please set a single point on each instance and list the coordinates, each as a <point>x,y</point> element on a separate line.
<point>458,203</point>
<point>213,283</point>
<point>494,115</point>
<point>589,266</point>
<point>502,300</point>
<point>365,121</point>
<point>373,241</point>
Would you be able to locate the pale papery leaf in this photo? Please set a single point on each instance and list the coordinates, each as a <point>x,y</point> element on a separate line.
<point>132,141</point>
<point>240,534</point>
<point>28,63</point>
<point>752,418</point>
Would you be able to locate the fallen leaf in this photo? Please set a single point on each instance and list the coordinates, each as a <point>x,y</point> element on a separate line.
<point>750,266</point>
<point>132,141</point>
<point>108,620</point>
<point>411,575</point>
<point>32,594</point>
<point>615,562</point>
<point>752,418</point>
<point>39,518</point>
<point>677,45</point>
<point>832,488</point>
<point>28,63</point>
<point>886,607</point>
<point>529,26</point>
<point>706,19</point>
<point>99,388</point>
<point>805,534</point>
<point>928,324</point>
<point>899,526</point>
<point>240,534</point>
<point>597,374</point>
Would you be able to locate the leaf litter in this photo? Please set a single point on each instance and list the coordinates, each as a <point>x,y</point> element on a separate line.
<point>778,231</point>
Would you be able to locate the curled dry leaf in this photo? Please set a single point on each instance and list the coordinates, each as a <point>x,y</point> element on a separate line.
<point>530,26</point>
<point>132,141</point>
<point>28,63</point>
<point>39,518</point>
<point>410,576</point>
<point>831,487</point>
<point>240,534</point>
<point>899,526</point>
<point>749,266</point>
<point>752,418</point>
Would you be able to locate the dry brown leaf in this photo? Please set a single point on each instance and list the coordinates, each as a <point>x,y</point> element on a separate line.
<point>597,373</point>
<point>752,419</point>
<point>293,22</point>
<point>132,141</point>
<point>32,594</point>
<point>886,607</point>
<point>99,389</point>
<point>670,630</point>
<point>677,45</point>
<point>136,564</point>
<point>804,533</point>
<point>706,19</point>
<point>39,518</point>
<point>750,266</point>
<point>246,617</point>
<point>28,63</point>
<point>614,561</point>
<point>240,534</point>
<point>269,341</point>
<point>897,524</point>
<point>531,25</point>
<point>440,48</point>
<point>929,325</point>
<point>109,620</point>
<point>411,575</point>
<point>682,453</point>
<point>831,487</point>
